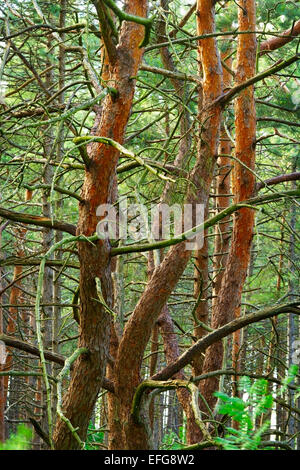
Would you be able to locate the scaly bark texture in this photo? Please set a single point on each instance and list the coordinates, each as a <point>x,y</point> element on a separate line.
<point>223,188</point>
<point>202,256</point>
<point>97,189</point>
<point>228,304</point>
<point>165,277</point>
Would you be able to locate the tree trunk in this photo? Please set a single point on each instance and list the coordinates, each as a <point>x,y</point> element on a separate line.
<point>165,277</point>
<point>94,328</point>
<point>229,300</point>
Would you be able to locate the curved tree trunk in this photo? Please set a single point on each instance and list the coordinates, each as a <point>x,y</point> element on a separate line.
<point>89,370</point>
<point>165,277</point>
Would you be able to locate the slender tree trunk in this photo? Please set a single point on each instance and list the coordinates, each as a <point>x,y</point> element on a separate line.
<point>201,314</point>
<point>201,293</point>
<point>172,353</point>
<point>228,303</point>
<point>14,298</point>
<point>293,326</point>
<point>223,188</point>
<point>3,384</point>
<point>47,136</point>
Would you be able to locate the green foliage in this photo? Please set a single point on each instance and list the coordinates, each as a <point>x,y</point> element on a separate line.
<point>173,441</point>
<point>248,411</point>
<point>19,441</point>
<point>54,9</point>
<point>245,411</point>
<point>94,437</point>
<point>291,375</point>
<point>226,21</point>
<point>280,13</point>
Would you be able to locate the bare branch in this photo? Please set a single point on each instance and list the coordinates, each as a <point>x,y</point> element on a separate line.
<point>279,41</point>
<point>278,179</point>
<point>50,356</point>
<point>201,345</point>
<point>37,220</point>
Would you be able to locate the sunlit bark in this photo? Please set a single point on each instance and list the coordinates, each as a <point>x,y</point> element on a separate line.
<point>228,304</point>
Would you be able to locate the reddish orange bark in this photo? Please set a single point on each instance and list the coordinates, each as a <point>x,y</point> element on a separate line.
<point>228,304</point>
<point>166,275</point>
<point>223,188</point>
<point>94,260</point>
<point>243,178</point>
<point>14,298</point>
